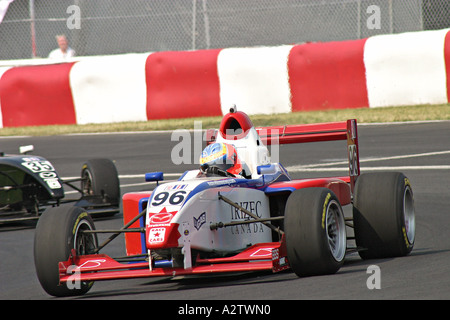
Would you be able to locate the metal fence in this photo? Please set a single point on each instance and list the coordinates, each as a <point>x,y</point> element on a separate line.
<point>103,27</point>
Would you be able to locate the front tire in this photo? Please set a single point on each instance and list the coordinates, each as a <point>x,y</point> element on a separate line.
<point>315,232</point>
<point>100,178</point>
<point>59,230</point>
<point>383,215</point>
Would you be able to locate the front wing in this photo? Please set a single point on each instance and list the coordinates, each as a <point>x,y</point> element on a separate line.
<point>259,257</point>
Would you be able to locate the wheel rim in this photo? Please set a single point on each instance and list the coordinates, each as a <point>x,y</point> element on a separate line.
<point>335,229</point>
<point>86,183</point>
<point>409,215</point>
<point>84,243</point>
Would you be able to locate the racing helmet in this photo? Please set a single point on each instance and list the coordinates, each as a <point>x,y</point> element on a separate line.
<point>222,156</point>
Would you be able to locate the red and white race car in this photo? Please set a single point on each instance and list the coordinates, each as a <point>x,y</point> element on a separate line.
<point>237,212</point>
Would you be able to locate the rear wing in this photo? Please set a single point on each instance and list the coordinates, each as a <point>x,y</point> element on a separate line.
<point>332,131</point>
<point>307,132</point>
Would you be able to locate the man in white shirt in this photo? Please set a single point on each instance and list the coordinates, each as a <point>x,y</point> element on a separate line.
<point>64,51</point>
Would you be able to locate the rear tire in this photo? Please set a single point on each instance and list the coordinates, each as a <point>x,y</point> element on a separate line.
<point>58,232</point>
<point>315,232</point>
<point>383,215</point>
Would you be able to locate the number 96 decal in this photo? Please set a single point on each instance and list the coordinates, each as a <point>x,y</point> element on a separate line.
<point>169,197</point>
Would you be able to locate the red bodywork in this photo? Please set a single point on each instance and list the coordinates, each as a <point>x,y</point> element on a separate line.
<point>262,256</point>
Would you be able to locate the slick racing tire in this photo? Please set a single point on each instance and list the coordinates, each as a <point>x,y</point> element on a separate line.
<point>100,178</point>
<point>315,232</point>
<point>58,231</point>
<point>383,215</point>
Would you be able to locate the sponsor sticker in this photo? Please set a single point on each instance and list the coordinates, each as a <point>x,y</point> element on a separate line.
<point>198,222</point>
<point>161,218</point>
<point>157,235</point>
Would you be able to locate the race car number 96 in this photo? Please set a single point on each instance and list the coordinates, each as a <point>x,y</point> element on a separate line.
<point>174,198</point>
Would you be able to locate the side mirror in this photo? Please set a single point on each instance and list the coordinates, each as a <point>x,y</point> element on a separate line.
<point>266,169</point>
<point>26,149</point>
<point>154,176</point>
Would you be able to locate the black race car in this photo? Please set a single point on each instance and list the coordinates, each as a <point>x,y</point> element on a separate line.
<point>29,184</point>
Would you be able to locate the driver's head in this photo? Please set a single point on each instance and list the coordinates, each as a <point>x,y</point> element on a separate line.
<point>222,156</point>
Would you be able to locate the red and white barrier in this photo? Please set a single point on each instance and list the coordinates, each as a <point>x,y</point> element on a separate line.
<point>109,89</point>
<point>406,69</point>
<point>386,70</point>
<point>256,80</point>
<point>36,95</point>
<point>182,84</point>
<point>328,76</point>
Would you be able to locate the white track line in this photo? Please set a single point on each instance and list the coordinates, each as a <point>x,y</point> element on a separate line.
<point>385,168</point>
<point>320,166</point>
<point>317,167</point>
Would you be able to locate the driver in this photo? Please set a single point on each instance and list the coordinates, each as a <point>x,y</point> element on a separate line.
<point>220,158</point>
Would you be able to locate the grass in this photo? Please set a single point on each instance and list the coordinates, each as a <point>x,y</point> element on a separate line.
<point>364,115</point>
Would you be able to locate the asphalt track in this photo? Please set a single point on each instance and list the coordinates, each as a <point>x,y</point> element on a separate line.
<point>420,150</point>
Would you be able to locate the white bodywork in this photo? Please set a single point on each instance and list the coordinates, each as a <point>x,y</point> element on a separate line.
<point>180,214</point>
<point>251,151</point>
<point>199,209</point>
